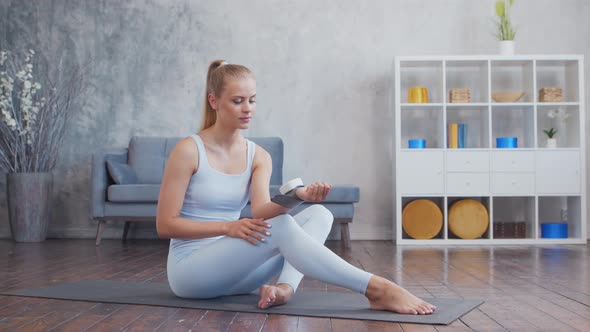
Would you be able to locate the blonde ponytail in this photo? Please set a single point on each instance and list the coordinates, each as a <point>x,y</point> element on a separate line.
<point>217,73</point>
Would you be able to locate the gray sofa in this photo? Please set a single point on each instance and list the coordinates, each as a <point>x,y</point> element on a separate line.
<point>138,170</point>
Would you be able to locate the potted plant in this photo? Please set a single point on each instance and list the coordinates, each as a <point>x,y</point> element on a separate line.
<point>506,32</point>
<point>559,118</point>
<point>36,102</point>
<point>551,142</point>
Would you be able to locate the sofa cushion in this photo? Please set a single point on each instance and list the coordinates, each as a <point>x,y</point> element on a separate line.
<point>148,210</point>
<point>133,193</point>
<point>274,147</point>
<point>148,193</point>
<point>148,155</point>
<point>131,211</point>
<point>121,173</point>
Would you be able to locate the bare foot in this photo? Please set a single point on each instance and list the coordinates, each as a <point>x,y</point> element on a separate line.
<point>273,295</point>
<point>386,295</point>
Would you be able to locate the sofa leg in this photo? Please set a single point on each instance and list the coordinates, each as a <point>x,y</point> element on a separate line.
<point>126,230</point>
<point>99,231</point>
<point>345,234</point>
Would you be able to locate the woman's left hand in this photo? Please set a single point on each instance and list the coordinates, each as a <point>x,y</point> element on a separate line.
<point>315,192</point>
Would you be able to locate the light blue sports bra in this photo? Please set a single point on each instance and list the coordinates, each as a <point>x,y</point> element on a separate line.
<point>212,196</point>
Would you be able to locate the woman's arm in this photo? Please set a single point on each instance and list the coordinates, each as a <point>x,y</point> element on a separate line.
<point>181,165</point>
<point>260,203</point>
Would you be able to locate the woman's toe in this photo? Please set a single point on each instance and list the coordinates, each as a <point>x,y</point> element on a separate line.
<point>266,298</point>
<point>408,311</point>
<point>425,309</point>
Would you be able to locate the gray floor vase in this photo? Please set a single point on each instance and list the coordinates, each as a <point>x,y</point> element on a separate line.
<point>303,303</point>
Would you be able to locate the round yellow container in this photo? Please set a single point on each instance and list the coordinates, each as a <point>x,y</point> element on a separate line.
<point>422,219</point>
<point>468,219</point>
<point>417,94</point>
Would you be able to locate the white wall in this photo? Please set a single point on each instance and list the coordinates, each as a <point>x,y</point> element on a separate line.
<point>323,70</point>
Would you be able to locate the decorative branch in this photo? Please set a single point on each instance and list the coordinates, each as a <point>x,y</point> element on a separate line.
<point>33,117</point>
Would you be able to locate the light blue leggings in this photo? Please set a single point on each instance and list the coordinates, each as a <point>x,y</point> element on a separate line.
<point>232,266</point>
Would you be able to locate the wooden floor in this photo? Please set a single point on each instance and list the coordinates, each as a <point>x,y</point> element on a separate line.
<point>525,288</point>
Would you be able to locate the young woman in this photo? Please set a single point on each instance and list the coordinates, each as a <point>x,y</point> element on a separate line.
<point>209,178</point>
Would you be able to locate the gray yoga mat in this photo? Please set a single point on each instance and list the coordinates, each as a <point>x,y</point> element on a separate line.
<point>303,303</point>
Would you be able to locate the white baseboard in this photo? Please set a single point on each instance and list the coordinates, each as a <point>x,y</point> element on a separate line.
<point>377,233</point>
<point>364,233</point>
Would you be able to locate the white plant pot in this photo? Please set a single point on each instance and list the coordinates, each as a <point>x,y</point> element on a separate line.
<point>551,143</point>
<point>507,47</point>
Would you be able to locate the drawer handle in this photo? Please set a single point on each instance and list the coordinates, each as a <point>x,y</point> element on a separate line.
<point>468,162</point>
<point>514,183</point>
<point>467,183</point>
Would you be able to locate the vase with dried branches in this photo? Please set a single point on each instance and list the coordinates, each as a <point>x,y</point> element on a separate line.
<point>35,106</point>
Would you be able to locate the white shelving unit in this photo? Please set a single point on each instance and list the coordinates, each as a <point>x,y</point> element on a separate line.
<point>530,183</point>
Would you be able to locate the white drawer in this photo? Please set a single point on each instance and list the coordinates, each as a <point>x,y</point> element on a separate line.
<point>513,183</point>
<point>468,183</point>
<point>558,172</point>
<point>421,172</point>
<point>513,161</point>
<point>468,161</point>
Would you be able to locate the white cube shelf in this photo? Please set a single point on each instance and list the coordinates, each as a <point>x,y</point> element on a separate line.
<point>531,184</point>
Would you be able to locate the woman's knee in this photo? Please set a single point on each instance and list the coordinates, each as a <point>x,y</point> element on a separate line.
<point>283,223</point>
<point>321,213</point>
<point>281,220</point>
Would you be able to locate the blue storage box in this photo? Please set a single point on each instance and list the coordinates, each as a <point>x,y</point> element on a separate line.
<point>554,230</point>
<point>506,142</point>
<point>417,143</point>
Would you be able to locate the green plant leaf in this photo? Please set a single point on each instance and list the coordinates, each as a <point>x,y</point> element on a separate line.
<point>500,33</point>
<point>505,29</point>
<point>500,8</point>
<point>550,133</point>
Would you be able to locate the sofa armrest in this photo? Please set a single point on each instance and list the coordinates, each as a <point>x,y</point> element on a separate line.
<point>100,179</point>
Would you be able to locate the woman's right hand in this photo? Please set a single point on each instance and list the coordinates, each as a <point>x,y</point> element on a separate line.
<point>248,229</point>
